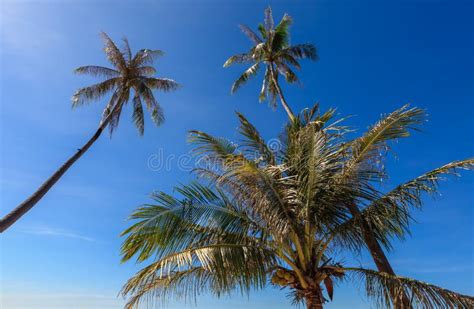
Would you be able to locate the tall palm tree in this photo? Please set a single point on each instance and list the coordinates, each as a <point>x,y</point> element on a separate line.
<point>272,49</point>
<point>130,73</point>
<point>281,216</point>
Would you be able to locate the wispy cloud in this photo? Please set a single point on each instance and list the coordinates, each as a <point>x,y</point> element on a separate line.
<point>58,300</point>
<point>55,232</point>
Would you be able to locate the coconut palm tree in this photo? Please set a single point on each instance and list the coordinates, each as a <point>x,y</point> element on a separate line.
<point>130,74</point>
<point>272,50</point>
<point>280,216</point>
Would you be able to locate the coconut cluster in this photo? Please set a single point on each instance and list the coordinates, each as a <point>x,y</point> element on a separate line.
<point>283,277</point>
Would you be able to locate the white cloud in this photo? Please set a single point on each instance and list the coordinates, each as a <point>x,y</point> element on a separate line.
<point>48,231</point>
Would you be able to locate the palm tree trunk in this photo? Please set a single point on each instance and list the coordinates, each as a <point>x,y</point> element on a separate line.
<point>27,204</point>
<point>380,259</point>
<point>280,93</point>
<point>314,300</point>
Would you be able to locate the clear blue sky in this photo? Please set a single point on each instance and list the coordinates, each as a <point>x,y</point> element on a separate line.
<point>375,56</point>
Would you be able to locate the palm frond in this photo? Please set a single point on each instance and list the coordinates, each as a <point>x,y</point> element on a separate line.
<point>381,286</point>
<point>289,60</point>
<point>224,268</point>
<point>396,125</point>
<point>302,51</point>
<point>263,31</point>
<point>250,34</point>
<point>211,146</point>
<point>268,20</point>
<point>152,105</point>
<point>253,143</point>
<point>281,37</point>
<point>264,91</point>
<point>138,117</point>
<point>284,215</point>
<point>114,55</point>
<point>240,58</point>
<point>272,89</point>
<point>390,214</point>
<point>250,72</point>
<point>96,70</point>
<point>153,289</point>
<point>126,51</point>
<point>117,110</point>
<point>94,92</point>
<point>163,84</point>
<point>146,56</point>
<point>289,75</point>
<point>146,71</point>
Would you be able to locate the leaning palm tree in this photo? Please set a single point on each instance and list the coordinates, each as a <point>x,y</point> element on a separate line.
<point>130,73</point>
<point>272,49</point>
<point>280,216</point>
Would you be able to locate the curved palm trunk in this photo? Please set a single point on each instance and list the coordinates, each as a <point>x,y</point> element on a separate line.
<point>24,207</point>
<point>280,93</point>
<point>380,259</point>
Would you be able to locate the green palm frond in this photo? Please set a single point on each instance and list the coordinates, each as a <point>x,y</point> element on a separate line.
<point>284,216</point>
<point>250,72</point>
<point>253,143</point>
<point>153,289</point>
<point>211,146</point>
<point>367,149</point>
<point>390,214</point>
<point>263,31</point>
<point>202,231</point>
<point>272,87</point>
<point>394,126</point>
<point>281,37</point>
<point>380,286</point>
<point>272,48</point>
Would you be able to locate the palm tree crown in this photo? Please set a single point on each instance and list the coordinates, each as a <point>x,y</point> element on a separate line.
<point>129,72</point>
<point>280,216</point>
<point>272,49</point>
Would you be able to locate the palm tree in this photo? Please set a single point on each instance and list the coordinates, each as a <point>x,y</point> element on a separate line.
<point>281,216</point>
<point>272,50</point>
<point>129,73</point>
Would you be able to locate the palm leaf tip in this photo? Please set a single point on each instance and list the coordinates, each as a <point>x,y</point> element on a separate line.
<point>268,21</point>
<point>250,34</point>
